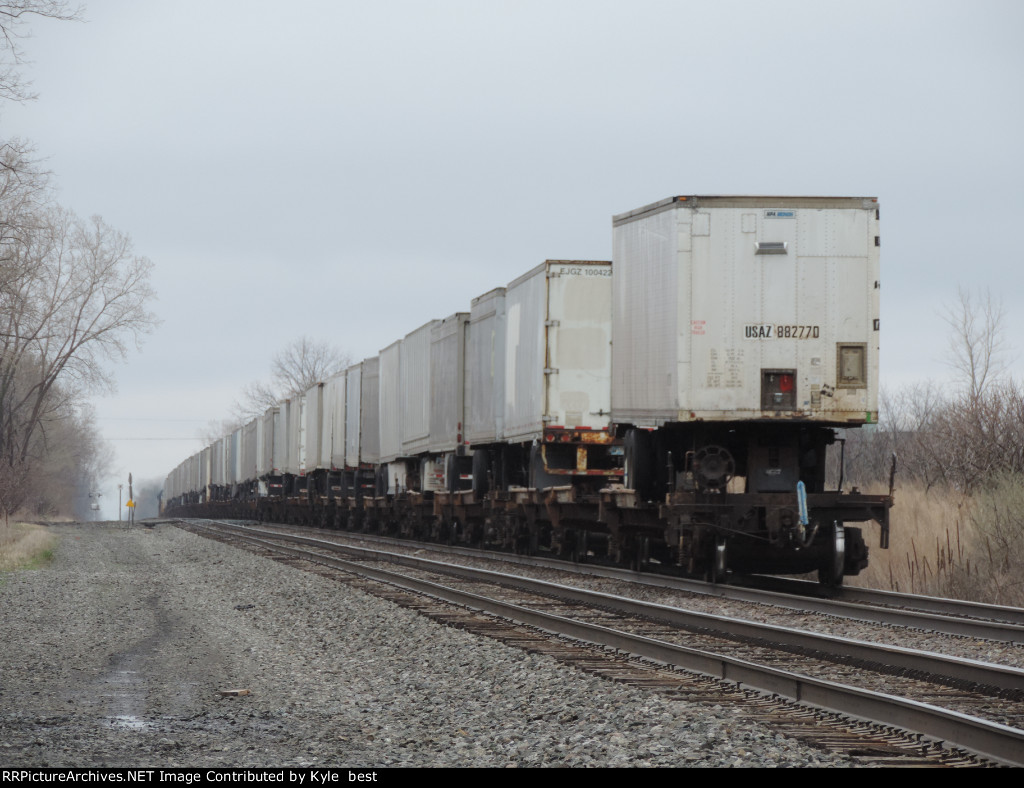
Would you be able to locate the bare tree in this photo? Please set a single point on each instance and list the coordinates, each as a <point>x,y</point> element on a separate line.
<point>24,191</point>
<point>16,165</point>
<point>301,364</point>
<point>72,295</point>
<point>216,429</point>
<point>13,18</point>
<point>976,343</point>
<point>68,459</point>
<point>963,435</point>
<point>257,397</point>
<point>76,297</point>
<point>305,362</point>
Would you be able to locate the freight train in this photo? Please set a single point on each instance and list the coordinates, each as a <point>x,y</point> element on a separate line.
<point>674,407</point>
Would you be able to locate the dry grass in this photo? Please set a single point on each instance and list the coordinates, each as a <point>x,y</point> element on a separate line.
<point>927,537</point>
<point>940,545</point>
<point>24,546</point>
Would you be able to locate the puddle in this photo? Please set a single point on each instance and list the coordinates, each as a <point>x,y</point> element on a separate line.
<point>130,722</point>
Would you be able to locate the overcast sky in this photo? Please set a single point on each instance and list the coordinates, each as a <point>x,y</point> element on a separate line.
<point>351,170</point>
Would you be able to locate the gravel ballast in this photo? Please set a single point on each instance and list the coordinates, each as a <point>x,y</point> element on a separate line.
<point>117,652</point>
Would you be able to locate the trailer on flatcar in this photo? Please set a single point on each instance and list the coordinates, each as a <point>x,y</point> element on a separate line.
<point>673,407</point>
<point>746,332</point>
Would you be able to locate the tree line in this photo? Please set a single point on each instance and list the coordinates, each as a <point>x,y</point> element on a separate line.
<point>962,433</point>
<point>73,296</point>
<point>960,443</point>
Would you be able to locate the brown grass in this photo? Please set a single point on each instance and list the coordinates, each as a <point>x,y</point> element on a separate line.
<point>926,539</point>
<point>25,546</point>
<point>940,546</point>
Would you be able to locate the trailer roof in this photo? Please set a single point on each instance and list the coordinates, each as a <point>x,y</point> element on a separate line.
<point>745,201</point>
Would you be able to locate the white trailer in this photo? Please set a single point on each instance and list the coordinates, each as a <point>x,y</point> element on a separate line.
<point>740,308</point>
<point>448,383</point>
<point>359,444</point>
<point>217,463</point>
<point>233,459</point>
<point>332,441</point>
<point>485,368</point>
<point>369,415</point>
<point>552,415</point>
<point>746,330</point>
<point>296,441</point>
<point>389,397</point>
<point>405,409</point>
<point>269,439</point>
<point>202,470</point>
<point>353,404</point>
<point>558,349</point>
<point>314,426</point>
<point>448,465</point>
<point>249,451</point>
<point>415,390</point>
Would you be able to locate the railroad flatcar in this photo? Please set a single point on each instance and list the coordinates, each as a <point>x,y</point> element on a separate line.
<point>746,331</point>
<point>672,407</point>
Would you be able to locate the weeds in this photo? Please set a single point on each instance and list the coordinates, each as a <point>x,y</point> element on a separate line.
<point>25,546</point>
<point>945,543</point>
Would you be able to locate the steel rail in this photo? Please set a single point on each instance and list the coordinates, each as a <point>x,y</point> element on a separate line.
<point>987,739</point>
<point>957,669</point>
<point>942,605</point>
<point>933,614</point>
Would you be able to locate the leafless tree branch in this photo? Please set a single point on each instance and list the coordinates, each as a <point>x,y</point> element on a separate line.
<point>294,369</point>
<point>976,343</point>
<point>74,296</point>
<point>14,17</point>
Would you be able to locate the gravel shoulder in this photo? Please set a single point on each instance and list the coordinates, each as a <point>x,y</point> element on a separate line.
<point>116,653</point>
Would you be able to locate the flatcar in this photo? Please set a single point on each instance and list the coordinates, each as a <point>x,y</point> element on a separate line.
<point>674,407</point>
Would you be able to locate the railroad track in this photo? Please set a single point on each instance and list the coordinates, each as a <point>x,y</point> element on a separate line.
<point>900,611</point>
<point>975,706</point>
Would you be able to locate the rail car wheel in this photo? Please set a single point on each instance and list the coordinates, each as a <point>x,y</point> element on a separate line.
<point>830,573</point>
<point>643,553</point>
<point>580,548</point>
<point>856,552</point>
<point>566,543</point>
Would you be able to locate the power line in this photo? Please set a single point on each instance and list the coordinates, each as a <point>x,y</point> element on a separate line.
<point>146,418</point>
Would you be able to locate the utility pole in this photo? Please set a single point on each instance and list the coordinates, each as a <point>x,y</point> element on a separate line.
<point>131,502</point>
<point>119,488</point>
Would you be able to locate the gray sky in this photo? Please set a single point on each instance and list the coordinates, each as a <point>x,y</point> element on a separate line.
<point>351,170</point>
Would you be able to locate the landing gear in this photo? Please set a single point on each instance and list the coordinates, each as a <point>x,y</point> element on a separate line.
<point>830,574</point>
<point>539,477</point>
<point>639,463</point>
<point>481,474</point>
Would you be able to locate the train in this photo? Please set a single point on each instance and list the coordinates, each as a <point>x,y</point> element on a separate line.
<point>674,408</point>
